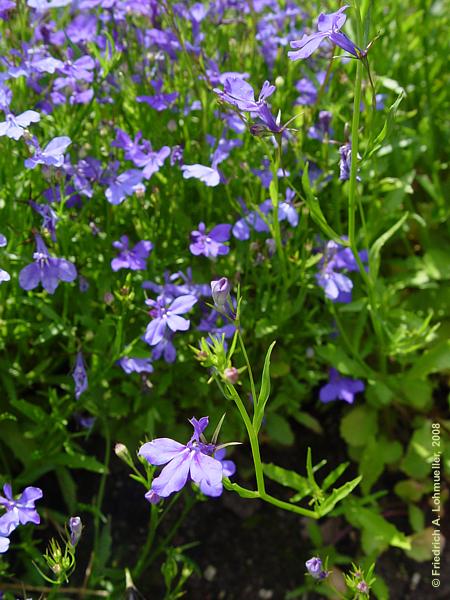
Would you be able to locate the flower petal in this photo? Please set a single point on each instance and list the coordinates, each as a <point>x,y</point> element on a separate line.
<point>161,450</point>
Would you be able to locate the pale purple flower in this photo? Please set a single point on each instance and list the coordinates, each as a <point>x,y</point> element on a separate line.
<point>21,510</point>
<point>134,259</point>
<point>328,28</point>
<point>240,94</point>
<point>191,461</point>
<point>166,315</point>
<point>43,5</point>
<point>51,155</point>
<point>159,102</point>
<point>315,568</point>
<point>123,185</point>
<point>75,527</point>
<point>80,376</point>
<point>7,526</point>
<point>14,126</point>
<point>4,276</point>
<point>209,176</point>
<point>210,244</point>
<point>337,287</point>
<point>46,269</point>
<point>340,388</point>
<point>152,162</point>
<point>165,349</point>
<point>136,365</point>
<point>3,241</point>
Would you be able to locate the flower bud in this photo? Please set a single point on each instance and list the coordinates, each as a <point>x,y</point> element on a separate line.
<point>315,568</point>
<point>152,497</point>
<point>231,375</point>
<point>123,453</point>
<point>76,527</point>
<point>220,290</point>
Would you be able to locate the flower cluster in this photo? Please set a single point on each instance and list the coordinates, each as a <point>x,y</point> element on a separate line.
<point>19,511</point>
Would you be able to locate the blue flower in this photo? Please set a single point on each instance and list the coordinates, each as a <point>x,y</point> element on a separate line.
<point>193,460</point>
<point>340,388</point>
<point>46,269</point>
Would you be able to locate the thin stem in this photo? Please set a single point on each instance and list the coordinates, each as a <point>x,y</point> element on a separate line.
<point>254,444</point>
<point>249,367</point>
<point>154,522</point>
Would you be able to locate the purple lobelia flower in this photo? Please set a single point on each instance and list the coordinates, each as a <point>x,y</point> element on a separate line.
<point>210,244</point>
<point>240,94</point>
<point>191,461</point>
<point>337,286</point>
<point>46,269</point>
<point>315,568</point>
<point>328,28</point>
<point>52,155</point>
<point>159,102</point>
<point>4,275</point>
<point>134,259</point>
<point>21,510</point>
<point>166,315</point>
<point>209,176</point>
<point>14,126</point>
<point>152,161</point>
<point>43,5</point>
<point>123,185</point>
<point>80,376</point>
<point>7,526</point>
<point>135,365</point>
<point>340,388</point>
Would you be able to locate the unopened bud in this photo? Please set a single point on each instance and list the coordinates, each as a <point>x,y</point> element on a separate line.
<point>152,497</point>
<point>123,453</point>
<point>76,527</point>
<point>220,291</point>
<point>231,374</point>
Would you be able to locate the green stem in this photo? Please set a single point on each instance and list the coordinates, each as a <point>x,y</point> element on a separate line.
<point>249,367</point>
<point>254,444</point>
<point>142,562</point>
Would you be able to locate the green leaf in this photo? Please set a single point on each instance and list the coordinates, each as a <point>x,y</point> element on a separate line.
<point>287,478</point>
<point>432,361</point>
<point>314,208</point>
<point>332,477</point>
<point>243,492</point>
<point>377,533</point>
<point>279,430</point>
<point>103,552</point>
<point>416,518</point>
<point>32,411</point>
<point>421,545</point>
<point>68,488</point>
<point>336,356</point>
<point>371,465</point>
<point>264,391</point>
<point>411,490</point>
<point>359,425</point>
<point>375,250</point>
<point>337,495</point>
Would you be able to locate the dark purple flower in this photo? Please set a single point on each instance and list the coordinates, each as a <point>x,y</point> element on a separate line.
<point>322,128</point>
<point>166,315</point>
<point>209,176</point>
<point>328,28</point>
<point>22,509</point>
<point>135,365</point>
<point>165,349</point>
<point>3,241</point>
<point>135,259</point>
<point>192,460</point>
<point>5,7</point>
<point>49,217</point>
<point>210,244</point>
<point>80,376</point>
<point>340,388</point>
<point>51,155</point>
<point>337,286</point>
<point>345,162</point>
<point>46,269</point>
<point>315,568</point>
<point>14,126</point>
<point>75,527</point>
